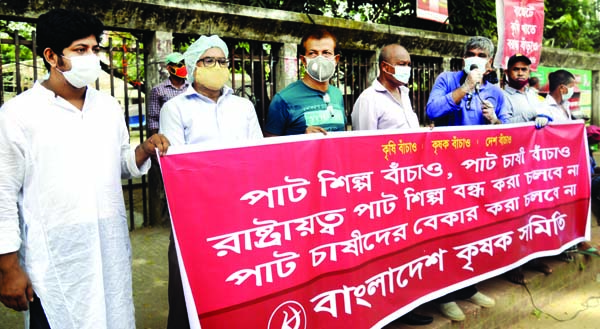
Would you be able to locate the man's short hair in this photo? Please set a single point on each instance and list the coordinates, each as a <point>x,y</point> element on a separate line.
<point>560,77</point>
<point>58,28</point>
<point>317,34</point>
<point>533,81</point>
<point>385,54</point>
<point>479,43</point>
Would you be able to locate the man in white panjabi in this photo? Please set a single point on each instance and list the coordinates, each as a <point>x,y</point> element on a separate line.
<point>65,254</point>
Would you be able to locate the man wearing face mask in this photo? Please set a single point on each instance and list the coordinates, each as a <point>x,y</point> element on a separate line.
<point>310,105</point>
<point>65,253</point>
<point>386,104</point>
<point>522,102</point>
<point>173,86</point>
<point>159,95</point>
<point>208,113</point>
<point>464,97</point>
<point>562,87</point>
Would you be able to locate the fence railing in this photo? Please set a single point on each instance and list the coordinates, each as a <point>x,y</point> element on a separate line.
<point>253,76</point>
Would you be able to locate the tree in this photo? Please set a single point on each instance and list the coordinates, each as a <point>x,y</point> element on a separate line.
<point>568,23</point>
<point>572,24</point>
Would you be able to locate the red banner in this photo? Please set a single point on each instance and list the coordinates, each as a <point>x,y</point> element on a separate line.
<point>355,229</point>
<point>520,29</point>
<point>433,10</point>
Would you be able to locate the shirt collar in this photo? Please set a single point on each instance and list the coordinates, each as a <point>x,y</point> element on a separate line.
<point>510,90</point>
<point>190,91</point>
<point>170,83</point>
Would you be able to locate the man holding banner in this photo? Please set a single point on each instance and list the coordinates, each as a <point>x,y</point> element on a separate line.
<point>311,104</point>
<point>463,98</point>
<point>522,102</point>
<point>386,105</point>
<point>209,113</point>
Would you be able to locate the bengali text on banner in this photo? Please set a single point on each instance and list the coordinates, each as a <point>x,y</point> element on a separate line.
<point>353,230</point>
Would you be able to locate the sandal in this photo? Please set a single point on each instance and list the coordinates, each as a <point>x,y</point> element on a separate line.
<point>516,276</point>
<point>587,249</point>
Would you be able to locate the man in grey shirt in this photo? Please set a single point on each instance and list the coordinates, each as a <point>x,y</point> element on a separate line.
<point>522,102</point>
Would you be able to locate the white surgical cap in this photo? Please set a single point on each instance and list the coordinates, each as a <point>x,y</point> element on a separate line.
<point>198,48</point>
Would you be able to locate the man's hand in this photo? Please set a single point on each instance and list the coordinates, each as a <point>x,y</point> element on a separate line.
<point>489,113</point>
<point>315,129</point>
<point>156,141</point>
<point>541,122</point>
<point>472,79</point>
<point>15,287</point>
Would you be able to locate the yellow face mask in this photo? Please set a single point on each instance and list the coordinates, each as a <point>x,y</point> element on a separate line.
<point>212,78</point>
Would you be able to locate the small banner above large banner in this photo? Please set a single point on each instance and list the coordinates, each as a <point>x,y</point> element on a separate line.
<point>433,10</point>
<point>353,230</point>
<point>520,30</point>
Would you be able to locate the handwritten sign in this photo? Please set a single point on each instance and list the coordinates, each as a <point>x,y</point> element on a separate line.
<point>520,30</point>
<point>354,230</point>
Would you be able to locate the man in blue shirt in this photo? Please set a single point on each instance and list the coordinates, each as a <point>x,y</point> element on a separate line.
<point>311,104</point>
<point>464,98</point>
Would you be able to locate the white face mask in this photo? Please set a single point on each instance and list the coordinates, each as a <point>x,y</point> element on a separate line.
<point>478,61</point>
<point>402,73</point>
<point>84,70</point>
<point>569,93</point>
<point>320,68</point>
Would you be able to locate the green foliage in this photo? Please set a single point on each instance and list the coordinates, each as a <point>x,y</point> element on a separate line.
<point>572,24</point>
<point>7,31</point>
<point>568,23</point>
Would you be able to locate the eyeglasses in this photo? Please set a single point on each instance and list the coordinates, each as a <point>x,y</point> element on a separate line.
<point>177,65</point>
<point>211,61</point>
<point>327,101</point>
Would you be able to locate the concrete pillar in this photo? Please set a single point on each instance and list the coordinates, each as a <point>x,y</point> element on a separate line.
<point>373,70</point>
<point>287,67</point>
<point>446,64</point>
<point>159,45</point>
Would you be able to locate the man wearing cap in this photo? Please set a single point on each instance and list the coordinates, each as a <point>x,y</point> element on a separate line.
<point>522,102</point>
<point>465,98</point>
<point>159,95</point>
<point>310,105</point>
<point>173,86</point>
<point>207,112</point>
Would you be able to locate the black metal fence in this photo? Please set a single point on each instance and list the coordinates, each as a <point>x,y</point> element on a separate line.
<point>253,75</point>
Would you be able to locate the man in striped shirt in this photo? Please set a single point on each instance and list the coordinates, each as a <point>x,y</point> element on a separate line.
<point>159,95</point>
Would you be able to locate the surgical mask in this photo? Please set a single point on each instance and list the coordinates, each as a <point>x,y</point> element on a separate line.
<point>84,70</point>
<point>569,93</point>
<point>478,61</point>
<point>320,68</point>
<point>402,73</point>
<point>213,78</point>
